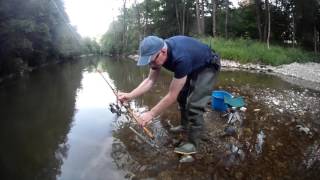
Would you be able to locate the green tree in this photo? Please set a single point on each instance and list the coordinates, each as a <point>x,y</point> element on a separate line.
<point>281,22</point>
<point>33,33</point>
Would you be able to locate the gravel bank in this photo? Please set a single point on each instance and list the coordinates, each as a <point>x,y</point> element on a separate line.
<point>306,71</point>
<point>306,75</point>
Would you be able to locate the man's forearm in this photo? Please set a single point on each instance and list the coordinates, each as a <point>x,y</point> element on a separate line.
<point>163,104</point>
<point>143,87</point>
<point>146,84</point>
<point>171,97</point>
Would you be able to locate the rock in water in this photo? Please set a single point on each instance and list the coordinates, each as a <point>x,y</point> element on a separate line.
<point>186,159</point>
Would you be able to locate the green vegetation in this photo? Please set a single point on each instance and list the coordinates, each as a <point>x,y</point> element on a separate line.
<point>246,50</point>
<point>90,46</point>
<point>34,33</point>
<point>256,31</point>
<point>37,32</point>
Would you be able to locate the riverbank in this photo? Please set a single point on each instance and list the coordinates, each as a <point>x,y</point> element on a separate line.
<point>252,51</point>
<point>306,71</point>
<point>28,69</point>
<point>303,74</point>
<point>279,118</point>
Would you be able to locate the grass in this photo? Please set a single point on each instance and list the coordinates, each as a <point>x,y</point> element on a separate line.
<point>250,51</point>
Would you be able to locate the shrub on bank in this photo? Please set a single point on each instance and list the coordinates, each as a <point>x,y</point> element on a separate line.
<point>250,51</point>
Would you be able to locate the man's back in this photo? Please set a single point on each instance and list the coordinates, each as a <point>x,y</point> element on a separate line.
<point>186,55</point>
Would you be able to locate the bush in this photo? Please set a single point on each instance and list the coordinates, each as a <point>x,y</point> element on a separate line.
<point>245,51</point>
<point>12,66</point>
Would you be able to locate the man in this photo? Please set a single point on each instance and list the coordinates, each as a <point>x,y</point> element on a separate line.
<point>195,69</point>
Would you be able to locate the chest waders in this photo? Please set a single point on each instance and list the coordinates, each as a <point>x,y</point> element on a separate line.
<point>193,98</point>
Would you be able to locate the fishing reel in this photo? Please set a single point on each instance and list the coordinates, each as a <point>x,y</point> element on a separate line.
<point>116,109</point>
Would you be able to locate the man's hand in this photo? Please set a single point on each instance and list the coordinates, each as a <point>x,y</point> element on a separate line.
<point>124,97</point>
<point>145,118</point>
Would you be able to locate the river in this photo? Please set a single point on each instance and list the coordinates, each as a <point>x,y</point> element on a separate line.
<point>56,124</point>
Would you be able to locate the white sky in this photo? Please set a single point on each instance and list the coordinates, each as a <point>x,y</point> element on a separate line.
<point>92,17</point>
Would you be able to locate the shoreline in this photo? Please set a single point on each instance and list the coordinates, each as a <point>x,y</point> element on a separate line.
<point>305,71</point>
<point>301,74</point>
<point>27,70</point>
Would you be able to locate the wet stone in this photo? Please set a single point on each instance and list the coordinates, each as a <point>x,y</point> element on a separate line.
<point>279,144</point>
<point>186,159</point>
<point>239,175</point>
<point>143,168</point>
<point>274,111</point>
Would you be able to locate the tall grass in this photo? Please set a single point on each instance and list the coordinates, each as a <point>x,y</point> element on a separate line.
<point>245,51</point>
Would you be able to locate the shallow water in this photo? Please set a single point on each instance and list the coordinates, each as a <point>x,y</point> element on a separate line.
<point>55,124</point>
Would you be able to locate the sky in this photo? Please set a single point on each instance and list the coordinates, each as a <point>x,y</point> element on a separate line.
<point>92,17</point>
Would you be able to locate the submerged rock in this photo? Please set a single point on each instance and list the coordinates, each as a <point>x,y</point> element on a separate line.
<point>230,131</point>
<point>260,141</point>
<point>186,159</point>
<point>306,130</point>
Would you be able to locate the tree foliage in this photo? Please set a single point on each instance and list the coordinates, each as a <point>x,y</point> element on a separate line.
<point>33,33</point>
<point>292,22</point>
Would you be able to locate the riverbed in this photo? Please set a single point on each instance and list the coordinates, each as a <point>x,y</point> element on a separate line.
<point>56,124</point>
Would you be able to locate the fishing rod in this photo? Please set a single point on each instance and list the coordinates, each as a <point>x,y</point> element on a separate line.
<point>130,112</point>
<point>146,130</point>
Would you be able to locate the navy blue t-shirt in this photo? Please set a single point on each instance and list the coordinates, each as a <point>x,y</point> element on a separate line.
<point>186,55</point>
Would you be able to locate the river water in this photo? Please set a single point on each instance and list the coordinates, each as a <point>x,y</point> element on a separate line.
<point>55,124</point>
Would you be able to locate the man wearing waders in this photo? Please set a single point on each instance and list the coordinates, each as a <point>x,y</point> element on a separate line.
<point>195,67</point>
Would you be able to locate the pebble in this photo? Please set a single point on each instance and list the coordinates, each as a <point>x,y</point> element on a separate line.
<point>186,159</point>
<point>247,131</point>
<point>299,70</point>
<point>143,168</point>
<point>243,109</point>
<point>306,130</point>
<point>276,102</point>
<point>239,175</point>
<point>279,144</point>
<point>230,131</point>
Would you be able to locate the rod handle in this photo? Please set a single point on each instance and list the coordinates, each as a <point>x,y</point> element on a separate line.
<point>146,130</point>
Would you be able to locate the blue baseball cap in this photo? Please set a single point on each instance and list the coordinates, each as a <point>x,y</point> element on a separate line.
<point>149,46</point>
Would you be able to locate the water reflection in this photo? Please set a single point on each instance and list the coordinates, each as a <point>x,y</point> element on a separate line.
<point>55,124</point>
<point>36,114</point>
<point>90,138</point>
<point>260,91</point>
<point>125,76</point>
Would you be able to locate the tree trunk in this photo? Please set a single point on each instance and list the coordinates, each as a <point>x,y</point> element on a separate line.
<point>214,5</point>
<point>177,15</point>
<point>269,23</point>
<point>198,17</point>
<point>266,20</point>
<point>202,16</point>
<point>293,30</point>
<point>258,17</point>
<point>146,17</point>
<point>316,39</point>
<point>187,17</point>
<point>138,16</point>
<point>226,19</point>
<point>124,36</point>
<point>183,17</point>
